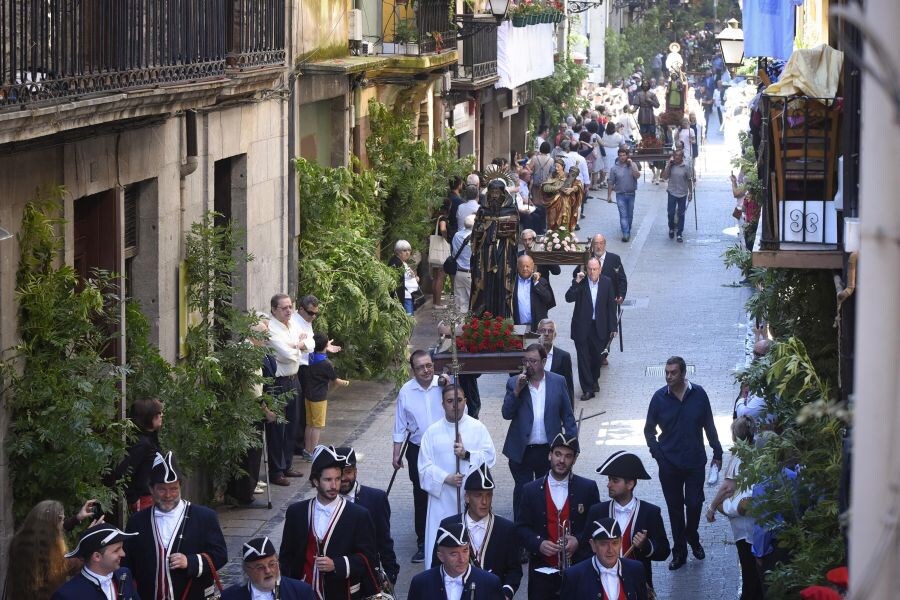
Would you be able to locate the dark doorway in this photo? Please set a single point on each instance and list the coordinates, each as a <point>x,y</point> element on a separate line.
<point>97,233</point>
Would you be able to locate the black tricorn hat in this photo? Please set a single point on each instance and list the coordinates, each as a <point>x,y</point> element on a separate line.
<point>261,547</point>
<point>625,465</point>
<point>349,455</point>
<point>568,442</point>
<point>163,470</point>
<point>479,480</point>
<point>453,535</point>
<point>326,457</point>
<point>606,528</point>
<point>96,538</point>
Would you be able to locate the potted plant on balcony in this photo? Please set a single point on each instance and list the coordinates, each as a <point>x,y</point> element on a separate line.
<point>519,12</point>
<point>406,35</point>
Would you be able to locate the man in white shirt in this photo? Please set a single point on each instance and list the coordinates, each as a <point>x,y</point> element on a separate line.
<point>100,547</point>
<point>288,343</point>
<point>450,448</point>
<point>573,158</point>
<point>469,207</point>
<point>605,575</point>
<point>418,407</point>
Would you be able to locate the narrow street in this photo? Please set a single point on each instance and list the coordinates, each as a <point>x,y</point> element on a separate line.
<point>681,301</point>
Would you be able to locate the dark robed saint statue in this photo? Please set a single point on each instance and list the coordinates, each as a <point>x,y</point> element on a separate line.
<point>493,264</point>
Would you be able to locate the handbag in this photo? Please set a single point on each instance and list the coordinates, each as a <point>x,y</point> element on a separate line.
<point>438,247</point>
<point>213,592</point>
<point>450,266</point>
<point>381,585</point>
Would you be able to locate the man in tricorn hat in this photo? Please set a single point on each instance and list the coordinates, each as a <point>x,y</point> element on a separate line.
<point>552,516</point>
<point>180,543</point>
<point>328,542</point>
<point>640,521</point>
<point>100,547</point>
<point>264,578</point>
<point>379,507</point>
<point>455,578</point>
<point>606,575</point>
<point>493,544</point>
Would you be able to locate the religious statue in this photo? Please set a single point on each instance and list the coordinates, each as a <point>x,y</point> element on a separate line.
<point>676,88</point>
<point>494,239</point>
<point>565,192</point>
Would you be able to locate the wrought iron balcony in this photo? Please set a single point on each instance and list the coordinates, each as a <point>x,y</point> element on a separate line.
<point>478,61</point>
<point>429,30</point>
<point>59,49</point>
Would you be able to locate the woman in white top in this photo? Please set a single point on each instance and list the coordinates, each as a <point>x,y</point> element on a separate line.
<point>408,282</point>
<point>610,141</point>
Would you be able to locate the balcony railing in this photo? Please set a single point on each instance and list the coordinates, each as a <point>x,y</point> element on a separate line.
<point>799,209</point>
<point>57,49</point>
<point>478,61</point>
<point>434,31</point>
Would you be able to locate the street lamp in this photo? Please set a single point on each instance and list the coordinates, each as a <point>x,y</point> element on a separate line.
<point>731,39</point>
<point>499,8</point>
<point>468,25</point>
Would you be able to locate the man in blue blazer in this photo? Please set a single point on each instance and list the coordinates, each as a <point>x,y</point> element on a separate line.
<point>100,547</point>
<point>264,576</point>
<point>180,543</point>
<point>640,521</point>
<point>605,575</point>
<point>537,404</point>
<point>593,323</point>
<point>552,516</point>
<point>379,507</point>
<point>455,578</point>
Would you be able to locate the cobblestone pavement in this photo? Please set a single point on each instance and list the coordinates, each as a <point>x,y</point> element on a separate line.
<point>685,303</point>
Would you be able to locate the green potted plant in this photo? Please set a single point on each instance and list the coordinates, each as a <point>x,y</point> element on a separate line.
<point>407,36</point>
<point>518,14</point>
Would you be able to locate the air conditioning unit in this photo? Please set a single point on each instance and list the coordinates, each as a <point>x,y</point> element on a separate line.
<point>367,48</point>
<point>354,25</point>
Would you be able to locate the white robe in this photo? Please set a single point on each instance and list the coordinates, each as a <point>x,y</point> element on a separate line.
<point>436,461</point>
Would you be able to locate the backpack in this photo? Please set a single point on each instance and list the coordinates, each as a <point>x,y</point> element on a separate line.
<point>541,174</point>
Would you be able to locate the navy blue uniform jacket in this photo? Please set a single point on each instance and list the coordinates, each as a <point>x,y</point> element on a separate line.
<point>352,539</point>
<point>583,581</point>
<point>289,589</point>
<point>532,523</point>
<point>82,588</point>
<point>429,585</point>
<point>517,408</point>
<point>647,516</point>
<point>200,533</point>
<point>502,555</point>
<point>379,507</point>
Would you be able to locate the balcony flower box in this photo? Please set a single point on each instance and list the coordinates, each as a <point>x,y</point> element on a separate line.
<point>519,21</point>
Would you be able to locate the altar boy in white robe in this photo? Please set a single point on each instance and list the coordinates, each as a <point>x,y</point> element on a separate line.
<point>438,473</point>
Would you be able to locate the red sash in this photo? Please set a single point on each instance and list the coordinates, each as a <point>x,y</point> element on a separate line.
<point>626,536</point>
<point>309,559</point>
<point>554,518</point>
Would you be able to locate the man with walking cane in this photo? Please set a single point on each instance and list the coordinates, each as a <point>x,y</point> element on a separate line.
<point>418,406</point>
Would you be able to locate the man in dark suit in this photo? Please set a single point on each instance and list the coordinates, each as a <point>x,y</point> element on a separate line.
<point>328,542</point>
<point>593,323</point>
<point>605,575</point>
<point>264,578</point>
<point>379,507</point>
<point>538,406</point>
<point>640,521</point>
<point>550,507</point>
<point>493,544</point>
<point>167,555</point>
<point>100,547</point>
<point>610,266</point>
<point>528,238</point>
<point>559,360</point>
<point>455,577</point>
<point>532,295</point>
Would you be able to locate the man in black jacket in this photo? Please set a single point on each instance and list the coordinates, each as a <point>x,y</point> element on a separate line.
<point>328,542</point>
<point>640,521</point>
<point>593,323</point>
<point>559,361</point>
<point>532,295</point>
<point>379,507</point>
<point>610,266</point>
<point>493,544</point>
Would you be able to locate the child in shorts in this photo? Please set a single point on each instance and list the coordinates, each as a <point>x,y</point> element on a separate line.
<point>320,377</point>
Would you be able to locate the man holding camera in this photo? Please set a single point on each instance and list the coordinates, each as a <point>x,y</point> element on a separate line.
<point>623,178</point>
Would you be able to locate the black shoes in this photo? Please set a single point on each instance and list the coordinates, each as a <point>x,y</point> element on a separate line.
<point>678,561</point>
<point>587,396</point>
<point>697,551</point>
<point>680,239</point>
<point>419,556</point>
<point>671,234</point>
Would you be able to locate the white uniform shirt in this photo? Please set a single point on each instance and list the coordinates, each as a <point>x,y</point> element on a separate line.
<point>559,491</point>
<point>609,578</point>
<point>104,581</point>
<point>322,514</point>
<point>623,513</point>
<point>538,433</point>
<point>167,522</point>
<point>477,531</point>
<point>417,409</point>
<point>453,586</point>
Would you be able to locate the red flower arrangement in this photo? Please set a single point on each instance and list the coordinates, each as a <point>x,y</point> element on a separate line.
<point>488,334</point>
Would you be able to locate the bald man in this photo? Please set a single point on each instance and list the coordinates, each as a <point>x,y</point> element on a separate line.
<point>532,297</point>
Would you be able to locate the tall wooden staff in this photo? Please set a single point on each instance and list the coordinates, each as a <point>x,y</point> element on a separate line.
<point>453,317</point>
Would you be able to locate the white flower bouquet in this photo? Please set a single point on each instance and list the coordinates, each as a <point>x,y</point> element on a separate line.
<point>561,239</point>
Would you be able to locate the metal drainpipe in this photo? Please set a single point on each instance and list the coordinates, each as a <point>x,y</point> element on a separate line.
<point>292,156</point>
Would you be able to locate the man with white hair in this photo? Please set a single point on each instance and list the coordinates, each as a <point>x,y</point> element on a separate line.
<point>462,250</point>
<point>470,204</point>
